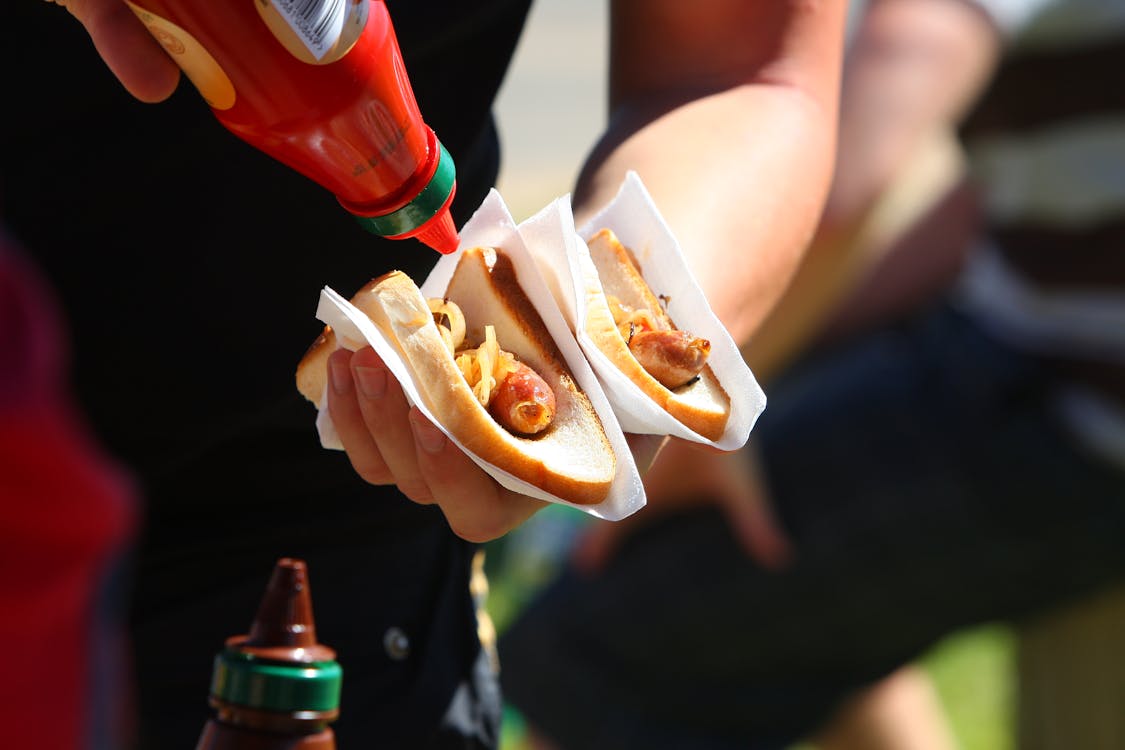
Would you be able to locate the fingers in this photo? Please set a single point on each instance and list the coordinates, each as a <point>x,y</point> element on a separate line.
<point>369,411</point>
<point>756,527</point>
<point>388,442</point>
<point>750,514</point>
<point>645,449</point>
<point>685,477</point>
<point>476,507</point>
<point>343,407</point>
<point>669,482</point>
<point>384,410</point>
<point>129,50</point>
<point>595,548</point>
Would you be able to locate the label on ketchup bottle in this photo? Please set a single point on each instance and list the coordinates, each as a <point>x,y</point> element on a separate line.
<point>196,62</point>
<point>315,31</point>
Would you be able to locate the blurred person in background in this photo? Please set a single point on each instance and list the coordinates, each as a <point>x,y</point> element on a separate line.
<point>952,466</point>
<point>67,517</point>
<point>183,257</point>
<point>1068,691</point>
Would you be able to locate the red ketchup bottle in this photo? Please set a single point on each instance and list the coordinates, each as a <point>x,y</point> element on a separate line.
<point>319,85</point>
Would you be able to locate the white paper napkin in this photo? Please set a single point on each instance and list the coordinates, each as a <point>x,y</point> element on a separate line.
<point>563,257</point>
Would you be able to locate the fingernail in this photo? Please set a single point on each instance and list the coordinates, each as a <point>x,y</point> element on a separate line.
<point>371,381</point>
<point>428,436</point>
<point>341,378</point>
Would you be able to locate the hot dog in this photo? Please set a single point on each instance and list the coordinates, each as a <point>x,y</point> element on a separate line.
<point>514,394</point>
<point>675,358</point>
<point>491,374</point>
<point>628,322</point>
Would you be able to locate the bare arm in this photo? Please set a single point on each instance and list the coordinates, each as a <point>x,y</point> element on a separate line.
<point>727,111</point>
<point>914,69</point>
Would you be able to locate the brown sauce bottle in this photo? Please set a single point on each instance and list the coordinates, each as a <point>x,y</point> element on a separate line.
<point>275,688</point>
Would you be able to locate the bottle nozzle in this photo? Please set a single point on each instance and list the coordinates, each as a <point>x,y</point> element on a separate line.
<point>283,627</point>
<point>284,616</point>
<point>426,217</point>
<point>279,666</point>
<point>439,233</point>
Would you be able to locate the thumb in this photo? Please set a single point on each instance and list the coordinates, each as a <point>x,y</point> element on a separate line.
<point>593,550</point>
<point>755,526</point>
<point>127,48</point>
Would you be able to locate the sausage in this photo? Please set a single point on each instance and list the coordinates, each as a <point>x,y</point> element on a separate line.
<point>673,357</point>
<point>523,402</point>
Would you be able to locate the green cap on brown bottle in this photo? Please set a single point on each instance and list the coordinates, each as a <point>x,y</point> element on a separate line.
<point>278,667</point>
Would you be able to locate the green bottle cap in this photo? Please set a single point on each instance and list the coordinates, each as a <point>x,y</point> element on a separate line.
<point>434,198</point>
<point>279,665</point>
<point>290,687</point>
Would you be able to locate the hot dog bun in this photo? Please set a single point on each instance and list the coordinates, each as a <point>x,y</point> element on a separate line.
<point>703,406</point>
<point>572,459</point>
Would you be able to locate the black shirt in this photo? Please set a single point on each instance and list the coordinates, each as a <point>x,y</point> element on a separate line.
<point>189,266</point>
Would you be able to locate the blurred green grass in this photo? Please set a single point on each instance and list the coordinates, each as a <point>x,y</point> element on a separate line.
<point>974,674</point>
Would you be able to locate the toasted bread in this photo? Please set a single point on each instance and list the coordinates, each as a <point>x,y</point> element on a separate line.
<point>702,405</point>
<point>572,459</point>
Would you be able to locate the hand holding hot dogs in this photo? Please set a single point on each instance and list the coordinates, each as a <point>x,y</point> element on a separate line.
<point>508,403</point>
<point>388,442</point>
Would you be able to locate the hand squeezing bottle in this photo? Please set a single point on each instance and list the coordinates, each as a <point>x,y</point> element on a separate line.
<point>319,85</point>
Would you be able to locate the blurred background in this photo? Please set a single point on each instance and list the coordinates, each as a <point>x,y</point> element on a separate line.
<point>549,116</point>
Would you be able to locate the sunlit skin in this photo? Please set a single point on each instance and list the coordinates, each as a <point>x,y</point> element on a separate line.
<point>726,109</point>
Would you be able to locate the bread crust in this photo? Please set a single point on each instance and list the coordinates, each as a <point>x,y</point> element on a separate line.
<point>572,459</point>
<point>703,406</point>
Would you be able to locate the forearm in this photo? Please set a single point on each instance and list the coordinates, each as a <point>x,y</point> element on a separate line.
<point>841,283</point>
<point>913,267</point>
<point>742,192</point>
<point>737,157</point>
<point>914,68</point>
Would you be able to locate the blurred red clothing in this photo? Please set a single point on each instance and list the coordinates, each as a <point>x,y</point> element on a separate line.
<point>67,515</point>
